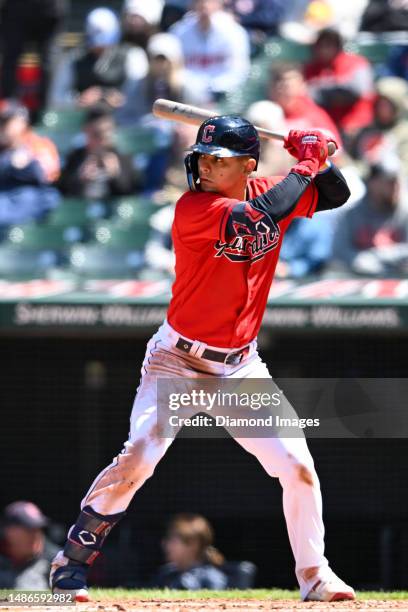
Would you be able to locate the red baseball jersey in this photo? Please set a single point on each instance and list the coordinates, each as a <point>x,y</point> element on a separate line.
<point>222,283</point>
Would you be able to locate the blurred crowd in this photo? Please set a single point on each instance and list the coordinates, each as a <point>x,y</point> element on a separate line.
<point>88,134</point>
<point>191,561</point>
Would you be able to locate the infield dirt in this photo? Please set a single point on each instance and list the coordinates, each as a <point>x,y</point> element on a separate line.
<point>224,605</point>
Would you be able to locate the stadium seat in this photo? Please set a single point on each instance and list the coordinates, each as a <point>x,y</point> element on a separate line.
<point>24,264</point>
<point>376,52</point>
<point>282,50</point>
<point>69,120</point>
<point>43,237</point>
<point>77,212</point>
<point>132,236</point>
<point>97,261</point>
<point>61,127</point>
<point>136,140</point>
<point>134,209</point>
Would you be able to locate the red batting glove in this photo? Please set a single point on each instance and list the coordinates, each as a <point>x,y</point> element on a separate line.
<point>292,142</point>
<point>309,148</point>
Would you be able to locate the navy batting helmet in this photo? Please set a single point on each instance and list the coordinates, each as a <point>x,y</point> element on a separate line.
<point>223,136</point>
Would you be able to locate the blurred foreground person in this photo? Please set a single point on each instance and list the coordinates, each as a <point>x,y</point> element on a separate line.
<point>164,79</point>
<point>342,83</point>
<point>23,21</point>
<point>215,49</point>
<point>28,164</point>
<point>385,16</point>
<point>287,87</point>
<point>140,20</point>
<point>372,236</point>
<point>25,552</point>
<point>173,11</point>
<point>387,134</point>
<point>98,170</point>
<point>192,560</point>
<point>101,71</point>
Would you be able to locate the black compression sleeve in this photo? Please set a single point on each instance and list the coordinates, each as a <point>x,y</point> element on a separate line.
<point>281,199</point>
<point>333,189</point>
<point>274,204</point>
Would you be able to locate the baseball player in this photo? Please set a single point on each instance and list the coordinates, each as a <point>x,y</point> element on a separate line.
<point>227,232</point>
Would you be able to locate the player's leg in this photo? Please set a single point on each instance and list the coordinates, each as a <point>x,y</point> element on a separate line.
<point>290,460</point>
<point>111,492</point>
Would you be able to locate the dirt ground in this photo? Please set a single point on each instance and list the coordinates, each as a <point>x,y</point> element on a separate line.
<point>225,605</point>
<point>228,605</point>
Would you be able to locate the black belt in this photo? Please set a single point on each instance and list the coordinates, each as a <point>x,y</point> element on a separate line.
<point>228,358</point>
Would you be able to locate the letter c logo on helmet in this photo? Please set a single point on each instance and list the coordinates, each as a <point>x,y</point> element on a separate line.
<point>207,137</point>
<point>222,136</point>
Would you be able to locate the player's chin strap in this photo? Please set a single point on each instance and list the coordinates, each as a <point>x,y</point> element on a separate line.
<point>86,537</point>
<point>191,164</point>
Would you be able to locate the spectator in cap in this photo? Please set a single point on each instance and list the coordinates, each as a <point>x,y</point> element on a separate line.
<point>340,82</point>
<point>215,49</point>
<point>164,79</point>
<point>388,132</point>
<point>371,237</point>
<point>25,552</point>
<point>28,163</point>
<point>98,170</point>
<point>140,19</point>
<point>101,71</point>
<point>25,21</point>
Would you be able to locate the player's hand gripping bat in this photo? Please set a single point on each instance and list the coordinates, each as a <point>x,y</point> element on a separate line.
<point>176,111</point>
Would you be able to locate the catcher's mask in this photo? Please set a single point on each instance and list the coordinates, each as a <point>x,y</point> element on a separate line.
<point>223,136</point>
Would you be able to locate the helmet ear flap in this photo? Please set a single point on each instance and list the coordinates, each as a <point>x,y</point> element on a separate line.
<point>191,164</point>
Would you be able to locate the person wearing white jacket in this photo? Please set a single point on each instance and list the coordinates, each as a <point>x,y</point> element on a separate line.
<point>216,51</point>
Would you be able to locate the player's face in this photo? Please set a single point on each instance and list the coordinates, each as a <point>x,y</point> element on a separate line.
<point>223,174</point>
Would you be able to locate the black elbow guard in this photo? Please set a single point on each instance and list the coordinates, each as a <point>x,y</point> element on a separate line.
<point>333,189</point>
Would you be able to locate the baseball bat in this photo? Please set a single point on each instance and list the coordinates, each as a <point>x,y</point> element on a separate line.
<point>193,115</point>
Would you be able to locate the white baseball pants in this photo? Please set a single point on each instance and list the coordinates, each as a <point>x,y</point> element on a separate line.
<point>288,459</point>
